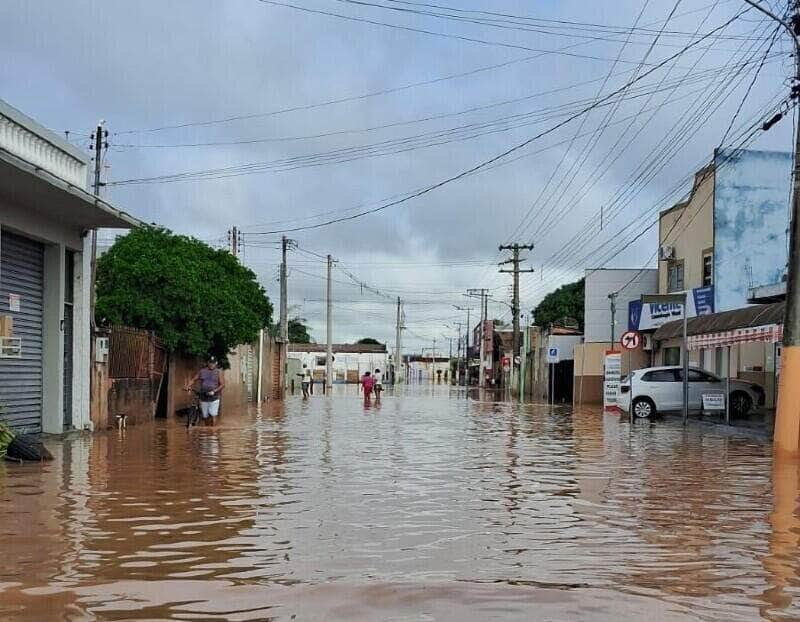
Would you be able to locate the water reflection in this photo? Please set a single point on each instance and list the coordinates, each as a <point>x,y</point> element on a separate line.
<point>429,506</point>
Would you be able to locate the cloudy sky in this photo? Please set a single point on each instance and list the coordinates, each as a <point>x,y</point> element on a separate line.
<point>277,116</point>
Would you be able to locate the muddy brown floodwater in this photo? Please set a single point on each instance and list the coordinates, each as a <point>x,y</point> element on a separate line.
<point>430,507</point>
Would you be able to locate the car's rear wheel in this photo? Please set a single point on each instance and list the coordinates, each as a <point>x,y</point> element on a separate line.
<point>643,408</point>
<point>741,403</point>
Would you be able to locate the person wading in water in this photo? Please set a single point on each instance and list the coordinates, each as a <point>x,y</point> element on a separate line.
<point>212,382</point>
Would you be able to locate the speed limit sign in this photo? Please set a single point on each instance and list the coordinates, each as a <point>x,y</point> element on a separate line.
<point>630,340</point>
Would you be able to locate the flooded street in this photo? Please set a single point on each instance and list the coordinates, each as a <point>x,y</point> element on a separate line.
<point>430,507</point>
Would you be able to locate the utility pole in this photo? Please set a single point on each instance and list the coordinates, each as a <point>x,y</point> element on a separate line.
<point>787,416</point>
<point>329,336</point>
<point>234,240</point>
<point>433,362</point>
<point>100,144</point>
<point>613,298</point>
<point>466,344</point>
<point>483,293</point>
<point>458,353</point>
<point>398,357</point>
<point>515,271</point>
<point>284,332</point>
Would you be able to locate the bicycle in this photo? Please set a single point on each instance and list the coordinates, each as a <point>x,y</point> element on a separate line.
<point>193,415</point>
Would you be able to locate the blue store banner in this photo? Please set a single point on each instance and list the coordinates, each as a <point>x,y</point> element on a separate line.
<point>651,316</point>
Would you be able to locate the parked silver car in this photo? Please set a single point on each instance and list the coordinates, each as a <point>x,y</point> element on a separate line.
<point>657,389</point>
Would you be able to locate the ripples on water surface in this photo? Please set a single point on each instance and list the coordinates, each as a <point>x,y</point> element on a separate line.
<point>431,507</point>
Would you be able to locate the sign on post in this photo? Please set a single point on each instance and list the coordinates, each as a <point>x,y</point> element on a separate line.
<point>630,340</point>
<point>713,401</point>
<point>611,379</point>
<point>552,355</point>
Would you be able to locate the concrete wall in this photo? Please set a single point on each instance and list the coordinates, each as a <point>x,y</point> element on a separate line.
<point>689,228</point>
<point>751,217</point>
<point>597,307</point>
<point>589,369</point>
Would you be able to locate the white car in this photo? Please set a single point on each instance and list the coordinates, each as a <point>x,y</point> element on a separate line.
<point>658,389</point>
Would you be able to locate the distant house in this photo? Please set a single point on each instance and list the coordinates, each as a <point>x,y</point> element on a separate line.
<point>350,360</point>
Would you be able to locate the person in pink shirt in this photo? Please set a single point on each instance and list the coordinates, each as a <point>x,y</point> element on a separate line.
<point>367,383</point>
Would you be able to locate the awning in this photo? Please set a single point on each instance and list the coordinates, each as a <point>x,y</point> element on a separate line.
<point>31,187</point>
<point>757,323</point>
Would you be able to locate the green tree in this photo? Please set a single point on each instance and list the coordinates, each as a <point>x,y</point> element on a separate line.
<point>565,302</point>
<point>369,341</point>
<point>298,331</point>
<point>197,299</point>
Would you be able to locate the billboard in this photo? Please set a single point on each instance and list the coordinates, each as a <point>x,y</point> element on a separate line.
<point>752,195</point>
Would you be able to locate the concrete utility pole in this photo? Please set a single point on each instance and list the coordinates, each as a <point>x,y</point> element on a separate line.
<point>100,144</point>
<point>466,344</point>
<point>613,298</point>
<point>515,260</point>
<point>329,336</point>
<point>234,240</point>
<point>787,417</point>
<point>483,293</point>
<point>398,357</point>
<point>284,331</point>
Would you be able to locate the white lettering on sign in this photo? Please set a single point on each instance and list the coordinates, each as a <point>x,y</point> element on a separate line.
<point>713,401</point>
<point>612,379</point>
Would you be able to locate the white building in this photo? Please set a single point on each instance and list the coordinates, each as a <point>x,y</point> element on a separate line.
<point>350,360</point>
<point>46,215</point>
<point>629,284</point>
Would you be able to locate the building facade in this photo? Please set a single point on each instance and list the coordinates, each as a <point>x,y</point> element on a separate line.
<point>46,216</point>
<point>350,360</point>
<point>628,285</point>
<point>726,241</point>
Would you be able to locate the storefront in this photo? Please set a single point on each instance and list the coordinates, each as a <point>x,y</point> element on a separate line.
<point>46,217</point>
<point>745,341</point>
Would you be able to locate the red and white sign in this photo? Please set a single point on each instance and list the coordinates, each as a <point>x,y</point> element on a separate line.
<point>630,340</point>
<point>506,362</point>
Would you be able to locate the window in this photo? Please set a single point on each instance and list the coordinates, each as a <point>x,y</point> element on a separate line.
<point>708,268</point>
<point>696,375</point>
<point>660,375</point>
<point>672,356</point>
<point>675,276</point>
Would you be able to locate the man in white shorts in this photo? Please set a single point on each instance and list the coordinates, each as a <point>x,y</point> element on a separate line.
<point>212,382</point>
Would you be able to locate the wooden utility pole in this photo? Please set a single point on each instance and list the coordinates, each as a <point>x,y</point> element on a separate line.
<point>515,271</point>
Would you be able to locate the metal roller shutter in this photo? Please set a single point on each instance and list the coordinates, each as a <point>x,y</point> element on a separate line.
<point>22,273</point>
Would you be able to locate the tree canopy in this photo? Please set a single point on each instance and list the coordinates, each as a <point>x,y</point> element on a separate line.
<point>369,341</point>
<point>197,299</point>
<point>298,331</point>
<point>565,302</point>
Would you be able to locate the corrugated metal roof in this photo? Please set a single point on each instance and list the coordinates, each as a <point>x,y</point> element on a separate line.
<point>748,317</point>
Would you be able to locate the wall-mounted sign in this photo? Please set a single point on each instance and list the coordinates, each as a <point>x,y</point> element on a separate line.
<point>14,302</point>
<point>653,315</point>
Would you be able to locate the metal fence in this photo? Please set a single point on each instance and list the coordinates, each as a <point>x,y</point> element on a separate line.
<point>135,353</point>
